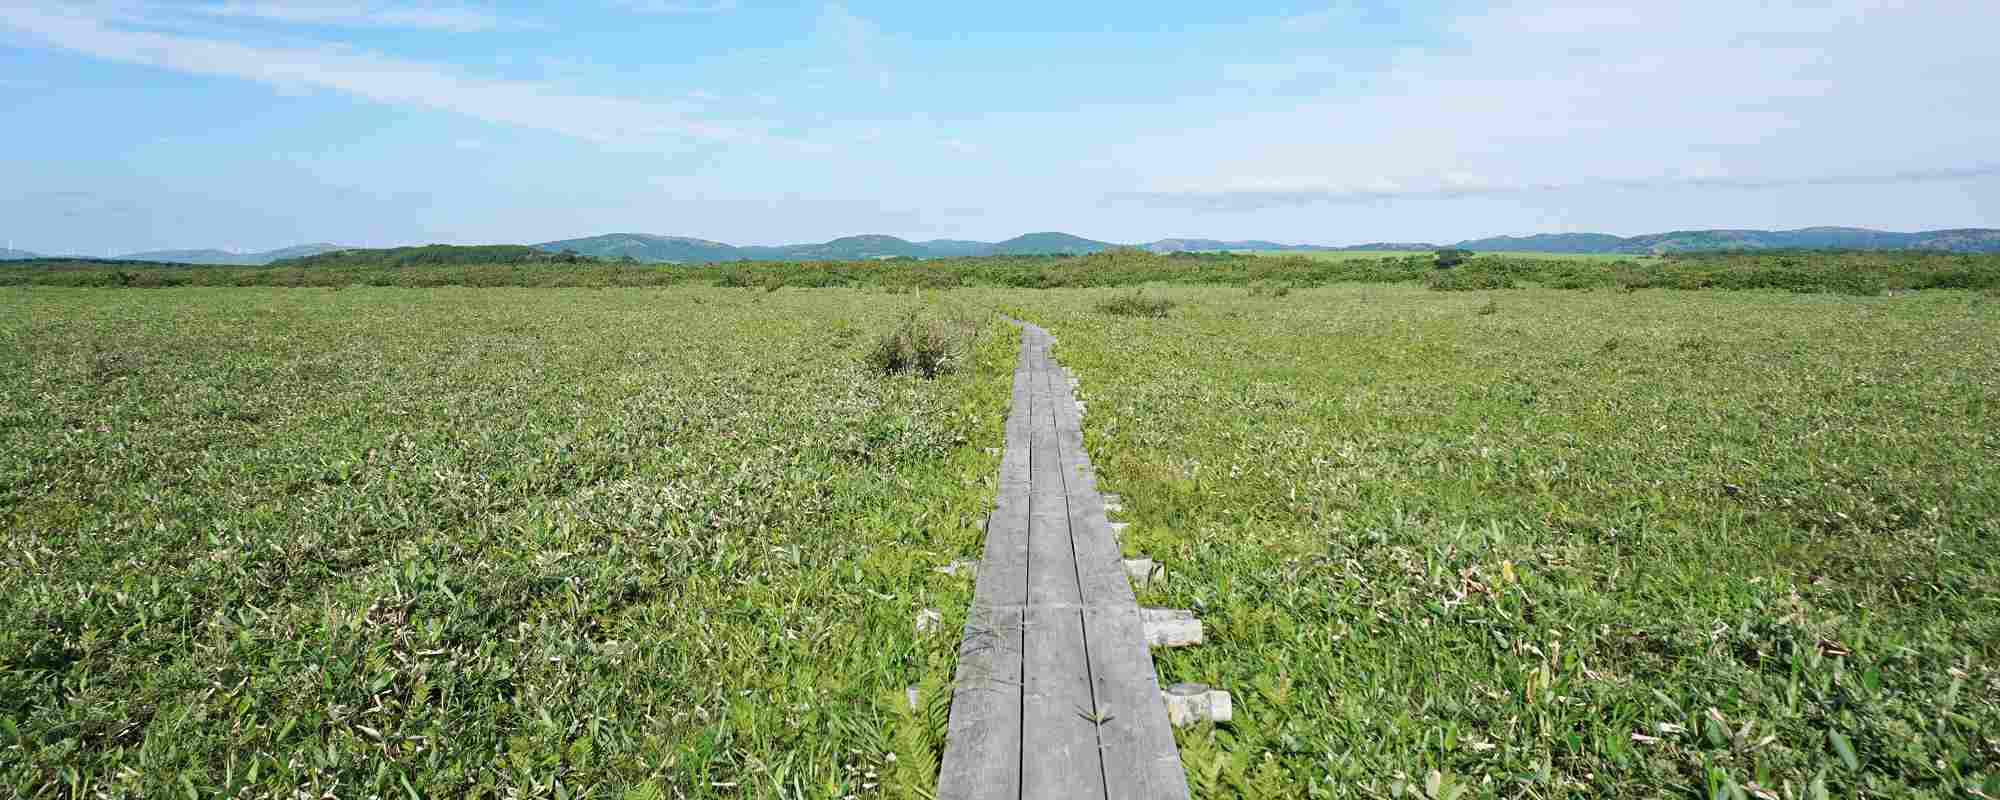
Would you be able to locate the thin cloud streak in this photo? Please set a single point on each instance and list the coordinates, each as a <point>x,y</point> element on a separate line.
<point>454,18</point>
<point>854,36</point>
<point>1587,94</point>
<point>676,6</point>
<point>376,77</point>
<point>1312,22</point>
<point>1301,193</point>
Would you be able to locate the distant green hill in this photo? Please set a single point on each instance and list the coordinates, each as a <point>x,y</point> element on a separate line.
<point>1968,240</point>
<point>846,248</point>
<point>684,250</point>
<point>1050,242</point>
<point>225,257</point>
<point>1381,247</point>
<point>1218,245</point>
<point>945,248</point>
<point>432,255</point>
<point>1546,243</point>
<point>649,248</point>
<point>645,247</point>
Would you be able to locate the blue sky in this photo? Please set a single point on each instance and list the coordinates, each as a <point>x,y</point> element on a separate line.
<point>254,124</point>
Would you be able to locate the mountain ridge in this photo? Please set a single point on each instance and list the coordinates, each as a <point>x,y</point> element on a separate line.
<point>656,248</point>
<point>1053,242</point>
<point>228,258</point>
<point>1968,240</point>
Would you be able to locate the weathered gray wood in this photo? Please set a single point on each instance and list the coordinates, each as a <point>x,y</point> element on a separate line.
<point>1140,758</point>
<point>1060,755</point>
<point>1189,703</point>
<point>982,754</point>
<point>1170,627</point>
<point>982,757</point>
<point>1054,606</point>
<point>1143,571</point>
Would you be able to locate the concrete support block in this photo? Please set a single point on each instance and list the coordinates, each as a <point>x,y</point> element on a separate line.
<point>969,569</point>
<point>929,620</point>
<point>1170,627</point>
<point>1144,571</point>
<point>1118,528</point>
<point>1189,703</point>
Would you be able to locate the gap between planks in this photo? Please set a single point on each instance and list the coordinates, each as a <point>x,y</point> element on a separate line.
<point>1055,693</point>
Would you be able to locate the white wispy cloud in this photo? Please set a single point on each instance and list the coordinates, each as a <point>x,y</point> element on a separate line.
<point>1252,194</point>
<point>676,6</point>
<point>454,18</point>
<point>370,75</point>
<point>1700,94</point>
<point>1312,21</point>
<point>854,36</point>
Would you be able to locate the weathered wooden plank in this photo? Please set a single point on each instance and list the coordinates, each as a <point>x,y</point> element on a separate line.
<point>1136,742</point>
<point>1054,610</point>
<point>982,754</point>
<point>982,758</point>
<point>1059,755</point>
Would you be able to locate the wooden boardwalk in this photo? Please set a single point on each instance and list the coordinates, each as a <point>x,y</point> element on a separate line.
<point>1055,695</point>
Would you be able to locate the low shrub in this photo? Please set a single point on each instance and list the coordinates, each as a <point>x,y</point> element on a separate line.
<point>1136,304</point>
<point>927,347</point>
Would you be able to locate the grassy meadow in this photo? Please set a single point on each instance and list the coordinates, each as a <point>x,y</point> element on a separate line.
<point>1862,273</point>
<point>1376,255</point>
<point>670,542</point>
<point>479,543</point>
<point>1546,543</point>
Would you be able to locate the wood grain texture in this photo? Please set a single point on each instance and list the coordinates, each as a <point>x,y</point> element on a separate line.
<point>1059,756</point>
<point>1137,743</point>
<point>1055,694</point>
<point>982,755</point>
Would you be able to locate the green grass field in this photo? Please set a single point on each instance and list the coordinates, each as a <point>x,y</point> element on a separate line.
<point>1371,255</point>
<point>557,543</point>
<point>635,542</point>
<point>1566,544</point>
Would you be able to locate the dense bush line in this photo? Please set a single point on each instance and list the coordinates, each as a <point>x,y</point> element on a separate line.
<point>1846,272</point>
<point>1136,304</point>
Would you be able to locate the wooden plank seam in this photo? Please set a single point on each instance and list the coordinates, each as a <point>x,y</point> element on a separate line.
<point>1055,693</point>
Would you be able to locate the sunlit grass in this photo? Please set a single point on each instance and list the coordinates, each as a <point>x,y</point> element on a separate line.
<point>1371,255</point>
<point>1566,544</point>
<point>559,543</point>
<point>671,542</point>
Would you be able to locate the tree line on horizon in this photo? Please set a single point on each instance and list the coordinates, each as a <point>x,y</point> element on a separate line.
<point>1857,272</point>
